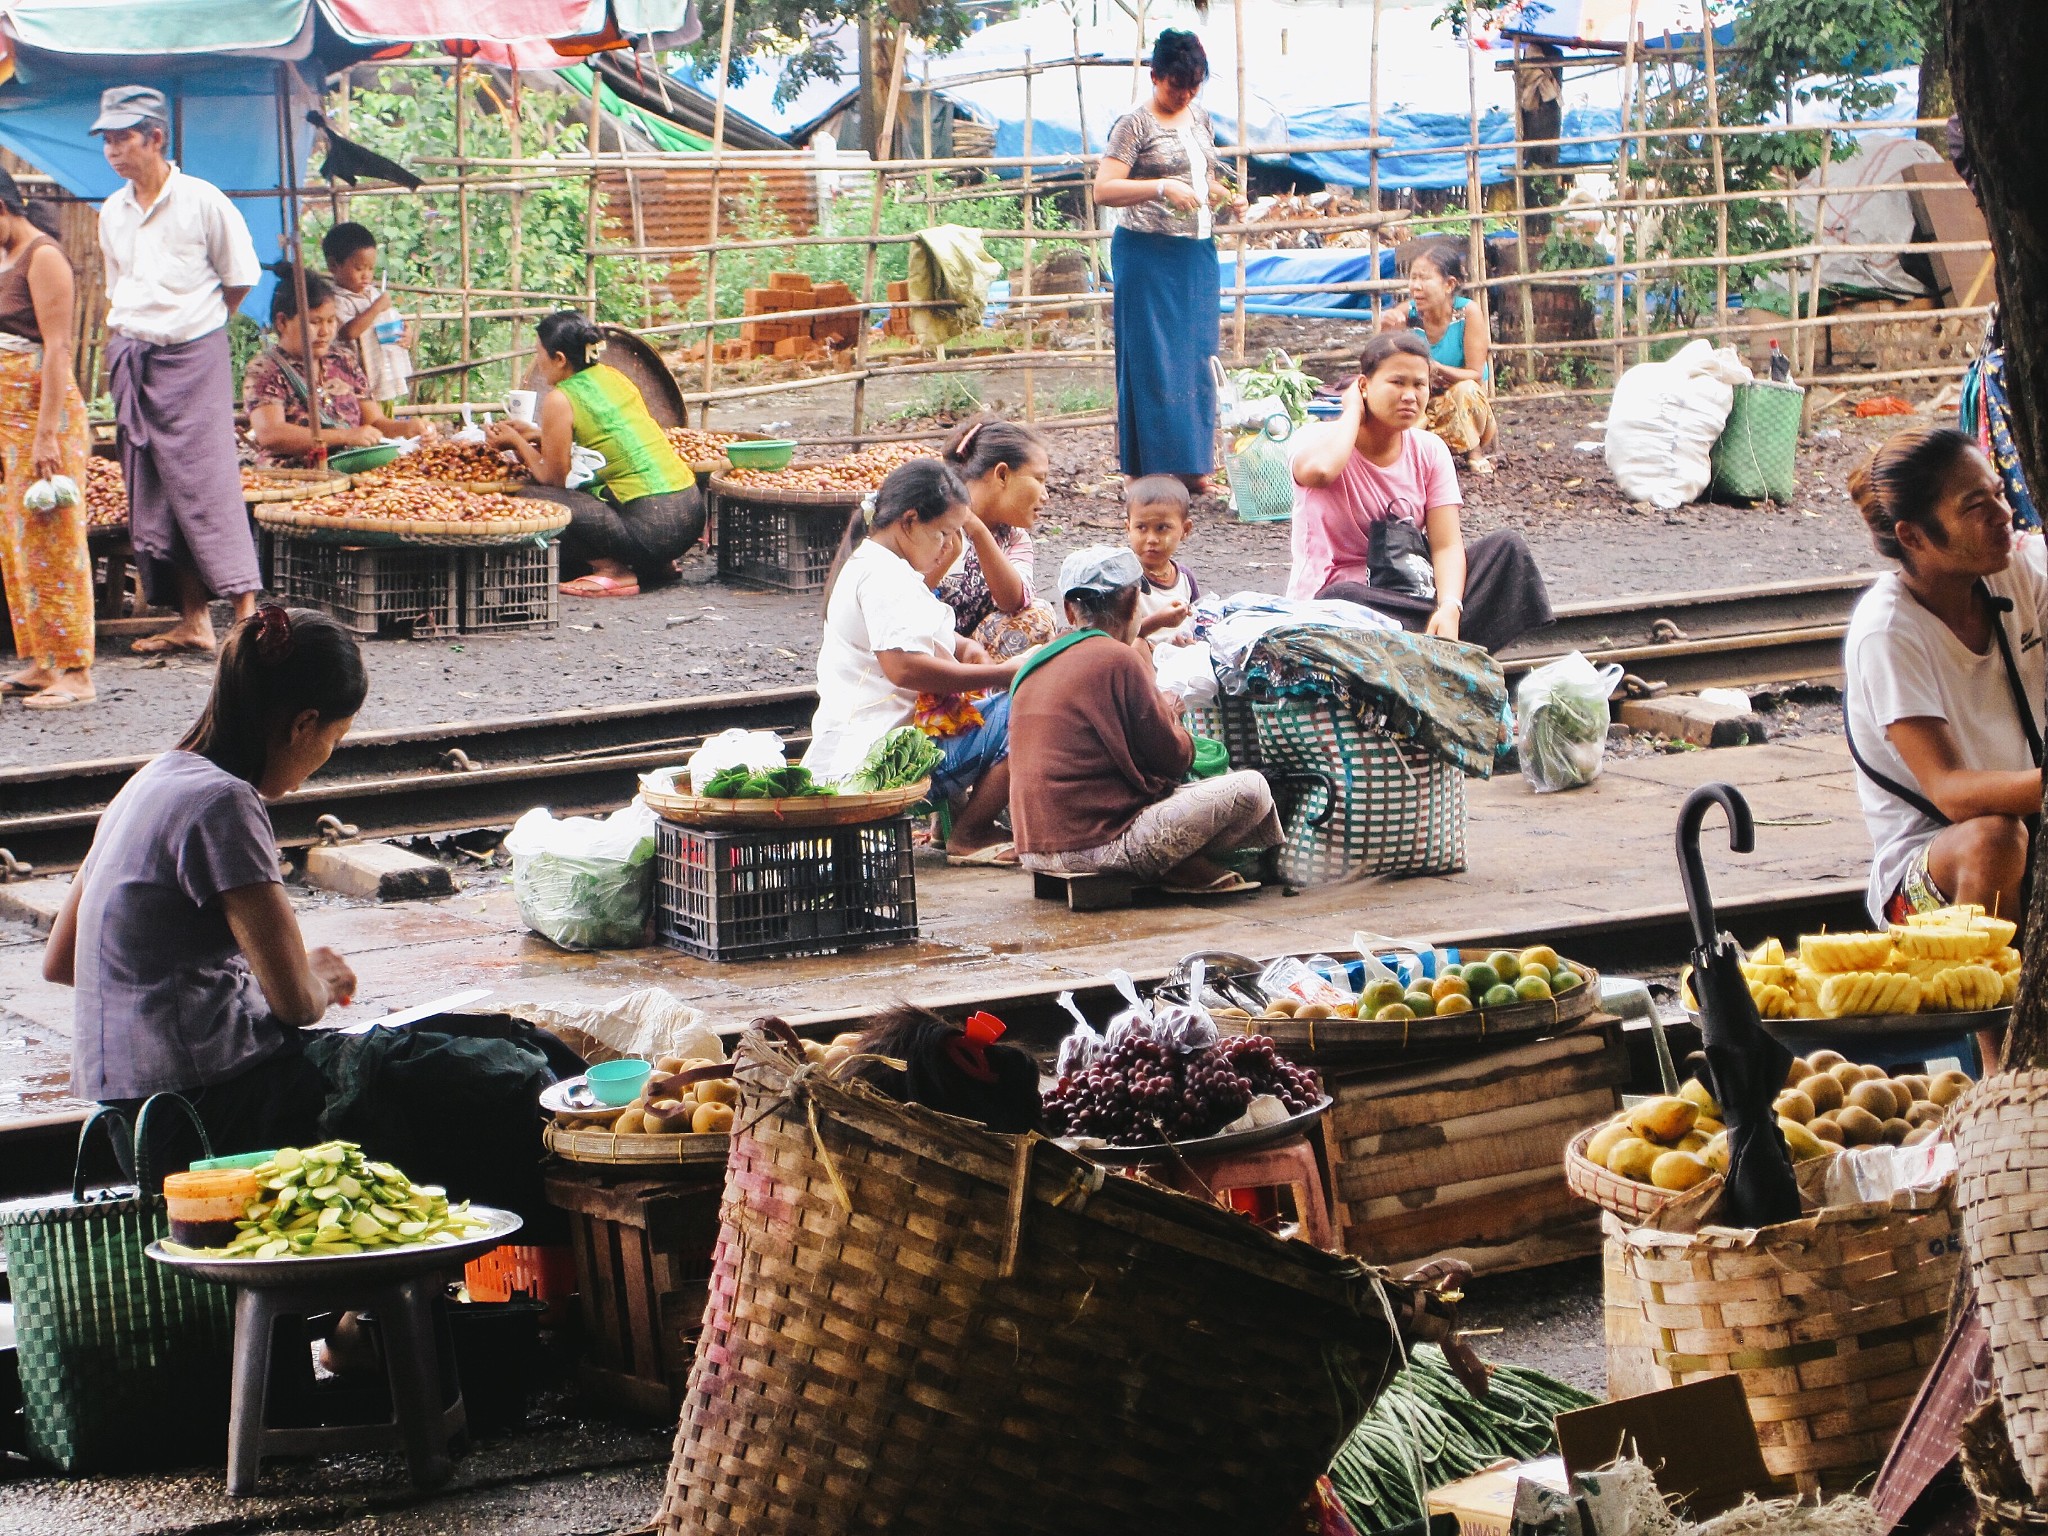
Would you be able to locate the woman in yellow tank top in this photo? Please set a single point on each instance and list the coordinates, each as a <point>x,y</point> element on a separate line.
<point>647,509</point>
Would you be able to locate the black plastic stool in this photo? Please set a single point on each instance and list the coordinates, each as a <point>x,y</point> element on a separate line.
<point>420,1424</point>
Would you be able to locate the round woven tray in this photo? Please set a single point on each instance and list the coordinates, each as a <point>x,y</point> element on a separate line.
<point>604,1147</point>
<point>802,811</point>
<point>1632,1201</point>
<point>293,485</point>
<point>1335,1041</point>
<point>769,495</point>
<point>547,520</point>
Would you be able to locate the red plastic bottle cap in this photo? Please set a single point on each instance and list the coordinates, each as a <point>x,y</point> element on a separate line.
<point>984,1028</point>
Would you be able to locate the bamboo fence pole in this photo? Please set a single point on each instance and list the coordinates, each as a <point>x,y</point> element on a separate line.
<point>1372,171</point>
<point>462,256</point>
<point>883,143</point>
<point>592,197</point>
<point>717,168</point>
<point>1621,192</point>
<point>1029,206</point>
<point>1090,215</point>
<point>294,243</point>
<point>1524,292</point>
<point>1641,223</point>
<point>1720,178</point>
<point>515,243</point>
<point>1820,221</point>
<point>1475,196</point>
<point>1244,178</point>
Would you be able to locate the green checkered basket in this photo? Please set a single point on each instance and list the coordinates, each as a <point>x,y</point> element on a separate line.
<point>1358,801</point>
<point>123,1361</point>
<point>1753,457</point>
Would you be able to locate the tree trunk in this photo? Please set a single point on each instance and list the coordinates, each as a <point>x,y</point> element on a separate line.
<point>1937,90</point>
<point>1997,59</point>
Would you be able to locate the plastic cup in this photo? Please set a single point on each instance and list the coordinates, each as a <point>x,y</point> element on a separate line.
<point>520,404</point>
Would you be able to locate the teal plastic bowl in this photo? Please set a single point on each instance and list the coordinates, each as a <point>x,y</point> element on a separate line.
<point>353,461</point>
<point>768,453</point>
<point>618,1082</point>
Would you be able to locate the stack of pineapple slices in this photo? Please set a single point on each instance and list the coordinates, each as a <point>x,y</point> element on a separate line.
<point>1956,960</point>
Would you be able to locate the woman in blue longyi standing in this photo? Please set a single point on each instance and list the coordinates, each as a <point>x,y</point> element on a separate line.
<point>1161,171</point>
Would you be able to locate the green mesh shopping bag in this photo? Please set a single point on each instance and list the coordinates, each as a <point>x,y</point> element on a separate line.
<point>1753,457</point>
<point>124,1361</point>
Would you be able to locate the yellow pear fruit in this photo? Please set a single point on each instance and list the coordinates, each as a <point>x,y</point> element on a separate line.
<point>1694,1140</point>
<point>1716,1153</point>
<point>1678,1170</point>
<point>1697,1094</point>
<point>1663,1119</point>
<point>1802,1142</point>
<point>1793,1104</point>
<point>1604,1139</point>
<point>1707,1126</point>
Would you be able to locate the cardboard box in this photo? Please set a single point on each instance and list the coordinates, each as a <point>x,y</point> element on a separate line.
<point>1484,1503</point>
<point>1698,1441</point>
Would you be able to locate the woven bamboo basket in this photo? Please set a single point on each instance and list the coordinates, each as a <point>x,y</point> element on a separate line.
<point>539,525</point>
<point>1358,1042</point>
<point>1633,1202</point>
<point>919,1326</point>
<point>594,1146</point>
<point>659,791</point>
<point>1831,1321</point>
<point>274,485</point>
<point>1631,1361</point>
<point>2001,1135</point>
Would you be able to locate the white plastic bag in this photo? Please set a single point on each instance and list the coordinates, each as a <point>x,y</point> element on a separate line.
<point>1188,672</point>
<point>755,751</point>
<point>1561,722</point>
<point>584,463</point>
<point>1665,420</point>
<point>649,1023</point>
<point>584,883</point>
<point>48,495</point>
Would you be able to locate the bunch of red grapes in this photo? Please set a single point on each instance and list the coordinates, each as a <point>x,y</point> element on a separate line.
<point>1139,1092</point>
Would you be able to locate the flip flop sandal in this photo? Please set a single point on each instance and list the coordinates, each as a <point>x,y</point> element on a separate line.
<point>48,700</point>
<point>10,686</point>
<point>994,856</point>
<point>157,645</point>
<point>1228,884</point>
<point>600,586</point>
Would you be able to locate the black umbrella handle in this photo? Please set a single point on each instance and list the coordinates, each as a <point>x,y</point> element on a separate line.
<point>1692,869</point>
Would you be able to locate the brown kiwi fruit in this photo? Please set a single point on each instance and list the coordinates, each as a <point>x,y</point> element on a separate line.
<point>1918,1134</point>
<point>1796,1071</point>
<point>1923,1113</point>
<point>1944,1092</point>
<point>1873,1074</point>
<point>1825,1061</point>
<point>1795,1105</point>
<point>1825,1091</point>
<point>1826,1129</point>
<point>1874,1097</point>
<point>1847,1073</point>
<point>1895,1131</point>
<point>1860,1128</point>
<point>1902,1096</point>
<point>1916,1084</point>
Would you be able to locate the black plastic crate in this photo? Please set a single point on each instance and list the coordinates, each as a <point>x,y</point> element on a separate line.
<point>377,593</point>
<point>508,587</point>
<point>757,895</point>
<point>786,546</point>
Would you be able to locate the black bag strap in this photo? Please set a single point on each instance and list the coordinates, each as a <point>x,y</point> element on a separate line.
<point>148,1177</point>
<point>113,1125</point>
<point>2000,607</point>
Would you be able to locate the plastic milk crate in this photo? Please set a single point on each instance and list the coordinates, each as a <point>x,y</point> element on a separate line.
<point>376,593</point>
<point>784,545</point>
<point>755,895</point>
<point>509,587</point>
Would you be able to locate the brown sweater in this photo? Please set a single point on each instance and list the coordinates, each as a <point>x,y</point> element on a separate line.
<point>1091,745</point>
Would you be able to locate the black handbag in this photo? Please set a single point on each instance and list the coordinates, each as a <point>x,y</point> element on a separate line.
<point>1397,559</point>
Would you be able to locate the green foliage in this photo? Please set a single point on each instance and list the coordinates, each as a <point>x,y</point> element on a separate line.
<point>776,34</point>
<point>409,114</point>
<point>1081,400</point>
<point>755,217</point>
<point>943,395</point>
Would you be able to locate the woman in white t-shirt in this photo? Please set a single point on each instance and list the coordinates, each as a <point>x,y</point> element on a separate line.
<point>1376,520</point>
<point>890,646</point>
<point>1946,672</point>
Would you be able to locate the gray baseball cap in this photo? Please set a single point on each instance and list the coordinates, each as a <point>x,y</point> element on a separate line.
<point>130,106</point>
<point>1101,568</point>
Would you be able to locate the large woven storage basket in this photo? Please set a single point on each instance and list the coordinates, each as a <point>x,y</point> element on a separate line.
<point>1362,801</point>
<point>1753,457</point>
<point>2001,1137</point>
<point>1229,720</point>
<point>919,1326</point>
<point>1831,1322</point>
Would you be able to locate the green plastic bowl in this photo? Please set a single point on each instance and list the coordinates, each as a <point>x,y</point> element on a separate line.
<point>768,453</point>
<point>353,461</point>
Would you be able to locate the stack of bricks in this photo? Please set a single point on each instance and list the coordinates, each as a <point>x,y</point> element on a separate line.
<point>808,337</point>
<point>899,319</point>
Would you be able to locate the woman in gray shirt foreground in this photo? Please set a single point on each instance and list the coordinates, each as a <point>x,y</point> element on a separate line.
<point>191,974</point>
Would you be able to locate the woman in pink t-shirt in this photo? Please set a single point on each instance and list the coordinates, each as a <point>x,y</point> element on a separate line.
<point>1376,515</point>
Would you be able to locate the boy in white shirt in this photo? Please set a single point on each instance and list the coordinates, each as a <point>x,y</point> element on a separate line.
<point>1157,518</point>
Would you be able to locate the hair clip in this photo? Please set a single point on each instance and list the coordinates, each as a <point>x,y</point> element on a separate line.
<point>273,633</point>
<point>867,510</point>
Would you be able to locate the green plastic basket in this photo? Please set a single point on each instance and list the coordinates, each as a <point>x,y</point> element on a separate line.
<point>1753,458</point>
<point>1261,474</point>
<point>124,1361</point>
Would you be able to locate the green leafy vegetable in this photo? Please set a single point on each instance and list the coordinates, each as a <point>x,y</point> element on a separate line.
<point>791,781</point>
<point>900,758</point>
<point>1278,380</point>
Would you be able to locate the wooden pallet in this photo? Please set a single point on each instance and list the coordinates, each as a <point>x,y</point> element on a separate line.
<point>1465,1156</point>
<point>643,1262</point>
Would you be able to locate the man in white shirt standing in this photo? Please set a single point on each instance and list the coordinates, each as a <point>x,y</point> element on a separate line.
<point>179,260</point>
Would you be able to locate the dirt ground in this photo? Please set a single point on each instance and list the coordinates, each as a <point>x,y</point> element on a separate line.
<point>701,637</point>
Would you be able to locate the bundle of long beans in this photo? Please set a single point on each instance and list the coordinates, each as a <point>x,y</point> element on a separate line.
<point>1426,1430</point>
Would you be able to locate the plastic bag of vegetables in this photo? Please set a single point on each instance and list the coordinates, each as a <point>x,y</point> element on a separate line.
<point>1561,722</point>
<point>584,883</point>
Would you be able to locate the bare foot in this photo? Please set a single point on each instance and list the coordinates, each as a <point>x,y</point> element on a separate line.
<point>179,637</point>
<point>28,680</point>
<point>73,685</point>
<point>1194,873</point>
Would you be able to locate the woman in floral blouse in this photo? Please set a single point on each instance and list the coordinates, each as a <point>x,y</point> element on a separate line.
<point>985,576</point>
<point>274,385</point>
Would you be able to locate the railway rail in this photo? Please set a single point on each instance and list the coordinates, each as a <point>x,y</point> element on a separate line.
<point>445,777</point>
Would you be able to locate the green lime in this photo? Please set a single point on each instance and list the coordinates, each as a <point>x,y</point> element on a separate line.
<point>1499,995</point>
<point>1562,980</point>
<point>1380,993</point>
<point>1421,1004</point>
<point>1532,988</point>
<point>1394,1011</point>
<point>1479,977</point>
<point>1507,965</point>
